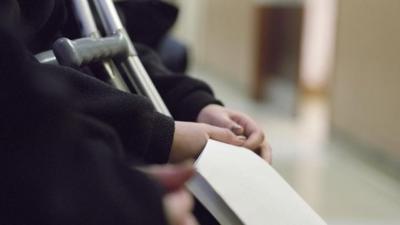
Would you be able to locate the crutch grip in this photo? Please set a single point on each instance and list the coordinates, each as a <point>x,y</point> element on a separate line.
<point>75,53</point>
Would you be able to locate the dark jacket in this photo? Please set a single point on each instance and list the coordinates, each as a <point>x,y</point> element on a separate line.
<point>67,140</point>
<point>147,20</point>
<point>59,165</point>
<point>184,96</point>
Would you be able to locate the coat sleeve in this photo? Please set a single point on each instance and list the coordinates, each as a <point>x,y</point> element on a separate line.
<point>184,96</point>
<point>148,20</point>
<point>145,134</point>
<point>71,172</point>
<point>57,164</point>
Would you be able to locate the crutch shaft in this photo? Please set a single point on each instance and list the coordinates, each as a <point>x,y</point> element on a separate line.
<point>132,65</point>
<point>85,18</point>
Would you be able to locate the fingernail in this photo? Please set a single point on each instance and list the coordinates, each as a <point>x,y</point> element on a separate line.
<point>242,138</point>
<point>236,127</point>
<point>187,164</point>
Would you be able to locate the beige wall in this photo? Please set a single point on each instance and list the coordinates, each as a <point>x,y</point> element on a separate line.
<point>221,34</point>
<point>230,34</point>
<point>366,87</point>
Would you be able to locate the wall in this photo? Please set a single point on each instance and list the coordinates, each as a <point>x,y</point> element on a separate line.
<point>318,43</point>
<point>221,34</point>
<point>366,87</point>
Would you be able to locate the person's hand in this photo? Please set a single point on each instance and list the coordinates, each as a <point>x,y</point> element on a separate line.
<point>178,203</point>
<point>191,138</point>
<point>241,125</point>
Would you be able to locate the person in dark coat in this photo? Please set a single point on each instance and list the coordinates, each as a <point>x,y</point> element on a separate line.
<point>149,23</point>
<point>61,166</point>
<point>188,99</point>
<point>68,138</point>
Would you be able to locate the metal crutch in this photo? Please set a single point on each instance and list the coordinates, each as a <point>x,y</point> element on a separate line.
<point>131,65</point>
<point>116,51</point>
<point>116,45</point>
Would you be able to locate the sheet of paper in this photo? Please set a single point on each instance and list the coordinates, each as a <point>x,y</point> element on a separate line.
<point>238,187</point>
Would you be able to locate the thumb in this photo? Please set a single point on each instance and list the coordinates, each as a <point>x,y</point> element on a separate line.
<point>172,177</point>
<point>225,135</point>
<point>232,125</point>
<point>236,128</point>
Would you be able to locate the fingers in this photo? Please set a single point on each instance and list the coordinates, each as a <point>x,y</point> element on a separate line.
<point>217,115</point>
<point>188,142</point>
<point>178,203</point>
<point>228,123</point>
<point>170,176</point>
<point>178,206</point>
<point>224,121</point>
<point>224,135</point>
<point>266,152</point>
<point>256,140</point>
<point>236,128</point>
<point>190,220</point>
<point>255,135</point>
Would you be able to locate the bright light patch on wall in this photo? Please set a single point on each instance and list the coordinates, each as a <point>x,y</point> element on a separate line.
<point>318,43</point>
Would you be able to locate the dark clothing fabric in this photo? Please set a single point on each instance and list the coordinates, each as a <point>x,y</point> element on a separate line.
<point>67,140</point>
<point>148,23</point>
<point>145,134</point>
<point>184,96</point>
<point>58,164</point>
<point>147,20</point>
<point>42,21</point>
<point>174,54</point>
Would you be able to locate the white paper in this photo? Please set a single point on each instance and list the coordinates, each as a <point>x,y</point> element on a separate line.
<point>238,187</point>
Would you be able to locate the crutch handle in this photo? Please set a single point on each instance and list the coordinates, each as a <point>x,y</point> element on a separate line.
<point>75,53</point>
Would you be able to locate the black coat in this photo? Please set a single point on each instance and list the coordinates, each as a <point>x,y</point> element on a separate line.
<point>67,140</point>
<point>58,164</point>
<point>125,113</point>
<point>148,20</point>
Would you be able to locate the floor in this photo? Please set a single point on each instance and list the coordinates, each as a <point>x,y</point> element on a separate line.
<point>343,189</point>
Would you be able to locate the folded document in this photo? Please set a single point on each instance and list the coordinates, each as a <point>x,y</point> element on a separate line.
<point>238,187</point>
